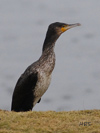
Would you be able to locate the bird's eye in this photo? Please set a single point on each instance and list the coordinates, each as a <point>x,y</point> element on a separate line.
<point>63,26</point>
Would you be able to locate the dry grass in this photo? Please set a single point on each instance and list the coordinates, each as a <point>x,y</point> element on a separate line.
<point>50,122</point>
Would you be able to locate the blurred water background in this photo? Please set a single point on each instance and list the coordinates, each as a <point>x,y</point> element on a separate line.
<point>76,78</point>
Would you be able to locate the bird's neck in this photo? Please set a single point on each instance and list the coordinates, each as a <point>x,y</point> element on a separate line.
<point>49,42</point>
<point>47,59</point>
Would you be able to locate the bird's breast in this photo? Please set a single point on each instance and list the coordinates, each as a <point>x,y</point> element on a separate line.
<point>48,63</point>
<point>42,84</point>
<point>44,73</point>
<point>45,68</point>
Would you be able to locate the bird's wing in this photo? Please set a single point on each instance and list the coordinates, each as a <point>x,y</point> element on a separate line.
<point>23,97</point>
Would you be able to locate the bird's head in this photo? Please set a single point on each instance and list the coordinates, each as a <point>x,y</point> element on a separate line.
<point>54,31</point>
<point>58,28</point>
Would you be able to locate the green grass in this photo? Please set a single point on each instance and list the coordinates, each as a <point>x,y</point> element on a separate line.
<point>87,121</point>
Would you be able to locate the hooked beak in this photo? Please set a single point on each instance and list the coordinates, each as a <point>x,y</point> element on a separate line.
<point>73,25</point>
<point>68,26</point>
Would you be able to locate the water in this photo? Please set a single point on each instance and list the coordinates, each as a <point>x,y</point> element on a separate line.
<point>76,78</point>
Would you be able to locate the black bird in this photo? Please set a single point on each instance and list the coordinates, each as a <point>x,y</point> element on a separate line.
<point>34,82</point>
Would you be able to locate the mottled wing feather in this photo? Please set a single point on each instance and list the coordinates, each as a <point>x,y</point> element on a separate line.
<point>23,97</point>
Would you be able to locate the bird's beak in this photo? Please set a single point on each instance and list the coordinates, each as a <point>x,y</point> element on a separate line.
<point>68,26</point>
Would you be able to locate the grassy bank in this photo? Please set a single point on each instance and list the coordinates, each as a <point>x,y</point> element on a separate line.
<point>50,122</point>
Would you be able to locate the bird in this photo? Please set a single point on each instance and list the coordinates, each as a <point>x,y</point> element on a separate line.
<point>35,80</point>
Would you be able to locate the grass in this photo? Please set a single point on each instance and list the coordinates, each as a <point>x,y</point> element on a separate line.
<point>87,121</point>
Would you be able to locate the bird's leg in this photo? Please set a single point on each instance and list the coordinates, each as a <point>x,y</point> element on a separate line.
<point>39,100</point>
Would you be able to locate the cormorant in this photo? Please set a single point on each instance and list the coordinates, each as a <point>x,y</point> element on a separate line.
<point>34,82</point>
